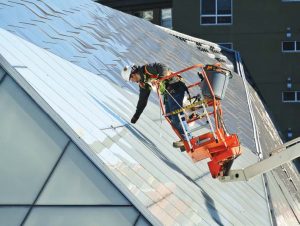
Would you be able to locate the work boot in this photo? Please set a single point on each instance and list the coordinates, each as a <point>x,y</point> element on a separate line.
<point>178,144</point>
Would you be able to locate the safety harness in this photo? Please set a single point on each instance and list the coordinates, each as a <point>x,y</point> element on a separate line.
<point>153,76</point>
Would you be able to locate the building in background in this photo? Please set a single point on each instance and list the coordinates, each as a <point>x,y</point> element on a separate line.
<point>156,11</point>
<point>266,33</point>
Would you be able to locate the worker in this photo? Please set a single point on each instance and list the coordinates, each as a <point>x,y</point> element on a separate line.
<point>172,89</point>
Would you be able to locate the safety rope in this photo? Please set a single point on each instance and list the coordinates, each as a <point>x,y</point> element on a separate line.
<point>173,98</point>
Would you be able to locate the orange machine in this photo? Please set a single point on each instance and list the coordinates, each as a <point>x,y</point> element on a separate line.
<point>204,110</point>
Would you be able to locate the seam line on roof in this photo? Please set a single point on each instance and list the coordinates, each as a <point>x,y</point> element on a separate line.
<point>254,125</point>
<point>19,66</point>
<point>281,187</point>
<point>113,127</point>
<point>46,181</point>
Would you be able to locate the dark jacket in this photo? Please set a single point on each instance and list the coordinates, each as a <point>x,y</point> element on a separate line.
<point>146,72</point>
<point>145,88</point>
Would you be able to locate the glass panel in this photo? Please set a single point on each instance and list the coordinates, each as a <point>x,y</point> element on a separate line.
<point>298,46</point>
<point>208,7</point>
<point>147,15</point>
<point>224,7</point>
<point>85,183</point>
<point>289,96</point>
<point>224,19</point>
<point>12,216</point>
<point>208,20</point>
<point>62,216</point>
<point>2,73</point>
<point>142,222</point>
<point>30,145</point>
<point>166,18</point>
<point>288,46</point>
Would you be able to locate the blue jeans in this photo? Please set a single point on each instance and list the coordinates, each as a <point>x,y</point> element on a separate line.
<point>172,105</point>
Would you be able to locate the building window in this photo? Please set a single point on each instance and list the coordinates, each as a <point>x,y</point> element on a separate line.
<point>291,96</point>
<point>288,96</point>
<point>227,45</point>
<point>147,15</point>
<point>216,12</point>
<point>166,18</point>
<point>290,46</point>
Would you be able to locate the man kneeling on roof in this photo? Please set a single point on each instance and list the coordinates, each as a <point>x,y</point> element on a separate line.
<point>172,89</point>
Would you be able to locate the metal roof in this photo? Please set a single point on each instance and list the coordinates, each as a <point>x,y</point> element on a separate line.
<point>164,180</point>
<point>80,86</point>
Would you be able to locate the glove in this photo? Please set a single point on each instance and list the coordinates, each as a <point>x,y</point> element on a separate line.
<point>134,119</point>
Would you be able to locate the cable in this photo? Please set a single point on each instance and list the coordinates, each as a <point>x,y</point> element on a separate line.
<point>173,99</point>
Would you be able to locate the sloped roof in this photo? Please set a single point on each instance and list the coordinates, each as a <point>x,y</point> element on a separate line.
<point>80,87</point>
<point>164,180</point>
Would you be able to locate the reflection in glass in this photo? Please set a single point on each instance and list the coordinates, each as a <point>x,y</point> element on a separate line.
<point>208,7</point>
<point>224,20</point>
<point>288,96</point>
<point>208,20</point>
<point>147,15</point>
<point>166,18</point>
<point>288,46</point>
<point>224,7</point>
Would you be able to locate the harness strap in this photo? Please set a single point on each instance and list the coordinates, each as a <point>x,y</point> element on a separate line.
<point>148,73</point>
<point>156,77</point>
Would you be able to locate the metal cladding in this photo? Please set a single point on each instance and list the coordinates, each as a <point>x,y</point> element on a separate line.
<point>71,53</point>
